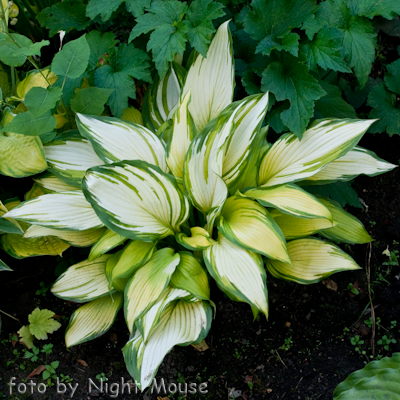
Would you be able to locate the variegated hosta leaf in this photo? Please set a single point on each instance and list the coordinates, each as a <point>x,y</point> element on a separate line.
<point>34,192</point>
<point>291,159</point>
<point>117,284</point>
<point>4,267</point>
<point>136,200</point>
<point>180,324</point>
<point>347,229</point>
<point>69,156</point>
<point>116,140</point>
<point>375,377</point>
<point>93,319</point>
<point>247,123</point>
<point>106,242</point>
<point>355,162</point>
<point>133,256</point>
<point>249,225</point>
<point>211,79</point>
<point>239,273</point>
<point>68,211</point>
<point>8,225</point>
<point>51,184</point>
<point>312,261</point>
<point>161,97</point>
<point>152,318</point>
<point>83,282</point>
<point>289,199</point>
<point>74,238</point>
<point>199,240</point>
<point>294,228</point>
<point>191,276</point>
<point>183,132</point>
<point>19,247</point>
<point>145,287</point>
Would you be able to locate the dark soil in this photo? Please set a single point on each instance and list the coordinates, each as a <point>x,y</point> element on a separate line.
<point>302,352</point>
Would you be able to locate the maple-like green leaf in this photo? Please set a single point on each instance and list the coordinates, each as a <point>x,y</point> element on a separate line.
<point>90,100</point>
<point>126,63</point>
<point>290,80</point>
<point>39,100</point>
<point>41,323</point>
<point>384,107</point>
<point>324,50</point>
<point>289,43</point>
<point>102,7</point>
<point>100,45</point>
<point>370,8</point>
<point>64,16</point>
<point>199,19</point>
<point>136,7</point>
<point>26,336</point>
<point>30,125</point>
<point>392,77</point>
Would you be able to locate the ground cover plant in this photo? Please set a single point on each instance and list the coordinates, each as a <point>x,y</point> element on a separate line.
<point>218,188</point>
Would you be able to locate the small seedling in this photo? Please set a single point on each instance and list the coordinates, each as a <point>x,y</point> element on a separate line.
<point>386,342</point>
<point>352,289</point>
<point>356,341</point>
<point>42,291</point>
<point>50,372</point>
<point>32,355</point>
<point>101,377</point>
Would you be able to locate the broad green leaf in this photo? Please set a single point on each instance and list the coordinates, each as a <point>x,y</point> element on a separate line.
<point>100,45</point>
<point>291,159</point>
<point>180,324</point>
<point>211,88</point>
<point>183,132</point>
<point>69,88</point>
<point>247,224</point>
<point>51,184</point>
<point>294,227</point>
<point>372,376</point>
<point>392,77</point>
<point>102,7</point>
<point>74,238</point>
<point>289,43</point>
<point>69,156</point>
<point>39,100</point>
<point>32,50</point>
<point>10,44</point>
<point>239,273</point>
<point>147,284</point>
<point>41,323</point>
<point>90,100</point>
<point>289,79</point>
<point>312,261</point>
<point>67,211</point>
<point>26,336</point>
<point>289,199</point>
<point>136,7</point>
<point>190,275</point>
<point>106,242</point>
<point>133,256</point>
<point>20,247</point>
<point>136,200</point>
<point>384,108</point>
<point>64,16</point>
<point>388,9</point>
<point>114,140</point>
<point>72,60</point>
<point>199,19</point>
<point>347,229</point>
<point>83,282</point>
<point>125,63</point>
<point>93,319</point>
<point>355,162</point>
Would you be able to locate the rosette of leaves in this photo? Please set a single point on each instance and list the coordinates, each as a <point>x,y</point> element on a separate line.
<point>378,380</point>
<point>207,193</point>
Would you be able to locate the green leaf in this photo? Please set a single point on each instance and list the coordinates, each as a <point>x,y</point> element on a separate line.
<point>136,7</point>
<point>127,62</point>
<point>30,125</point>
<point>39,100</point>
<point>90,100</point>
<point>9,45</point>
<point>370,8</point>
<point>290,80</point>
<point>99,45</point>
<point>26,337</point>
<point>199,19</point>
<point>4,267</point>
<point>69,88</point>
<point>333,104</point>
<point>392,77</point>
<point>72,60</point>
<point>105,8</point>
<point>32,50</point>
<point>289,43</point>
<point>384,107</point>
<point>42,323</point>
<point>64,16</point>
<point>324,51</point>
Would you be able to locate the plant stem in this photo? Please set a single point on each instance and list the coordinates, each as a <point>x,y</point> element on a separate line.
<point>8,315</point>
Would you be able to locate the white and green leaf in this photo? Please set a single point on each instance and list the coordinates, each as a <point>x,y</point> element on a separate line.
<point>106,242</point>
<point>51,184</point>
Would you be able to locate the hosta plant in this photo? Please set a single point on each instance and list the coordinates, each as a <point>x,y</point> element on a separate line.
<point>203,196</point>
